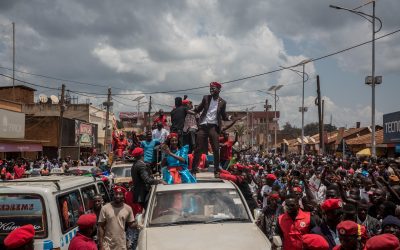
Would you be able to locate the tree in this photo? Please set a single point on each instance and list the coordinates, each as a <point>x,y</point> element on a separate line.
<point>289,131</point>
<point>240,129</point>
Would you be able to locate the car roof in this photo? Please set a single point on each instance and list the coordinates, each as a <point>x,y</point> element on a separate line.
<point>52,182</point>
<point>201,184</point>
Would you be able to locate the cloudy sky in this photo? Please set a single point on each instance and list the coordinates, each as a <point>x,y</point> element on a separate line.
<point>150,46</point>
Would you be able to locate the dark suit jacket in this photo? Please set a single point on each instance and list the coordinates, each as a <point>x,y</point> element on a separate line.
<point>221,110</point>
<point>324,231</point>
<point>142,181</point>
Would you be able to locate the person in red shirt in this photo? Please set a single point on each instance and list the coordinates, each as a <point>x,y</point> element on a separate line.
<point>293,224</point>
<point>83,239</point>
<point>161,118</point>
<point>226,149</point>
<point>19,171</point>
<point>21,238</point>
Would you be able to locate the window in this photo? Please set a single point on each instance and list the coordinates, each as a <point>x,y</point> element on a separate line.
<point>71,207</point>
<point>88,194</point>
<point>103,192</point>
<point>20,209</point>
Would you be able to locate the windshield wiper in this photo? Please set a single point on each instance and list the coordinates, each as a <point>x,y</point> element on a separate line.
<point>176,223</point>
<point>217,220</point>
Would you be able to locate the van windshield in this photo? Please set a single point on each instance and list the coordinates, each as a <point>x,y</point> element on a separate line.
<point>20,209</point>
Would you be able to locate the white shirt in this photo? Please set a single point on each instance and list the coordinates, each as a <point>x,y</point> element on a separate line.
<point>265,190</point>
<point>211,116</point>
<point>160,135</point>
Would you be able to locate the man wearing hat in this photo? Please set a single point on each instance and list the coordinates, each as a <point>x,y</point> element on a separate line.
<point>213,112</point>
<point>332,211</point>
<point>391,225</point>
<point>113,219</point>
<point>142,178</point>
<point>350,236</point>
<point>84,238</point>
<point>20,238</point>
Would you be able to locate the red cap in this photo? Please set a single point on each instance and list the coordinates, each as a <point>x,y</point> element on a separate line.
<point>331,204</point>
<point>104,179</point>
<point>86,221</point>
<point>137,152</point>
<point>348,227</point>
<point>19,237</point>
<point>383,242</point>
<point>119,189</point>
<point>185,102</point>
<point>314,242</point>
<point>215,84</point>
<point>271,177</point>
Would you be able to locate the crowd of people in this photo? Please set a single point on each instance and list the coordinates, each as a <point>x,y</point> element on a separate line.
<point>304,202</point>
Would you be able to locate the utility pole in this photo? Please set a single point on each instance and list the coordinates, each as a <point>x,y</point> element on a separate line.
<point>323,126</point>
<point>13,79</point>
<point>266,110</point>
<point>373,141</point>
<point>60,122</point>
<point>302,117</point>
<point>107,139</point>
<point>149,117</point>
<point>320,122</point>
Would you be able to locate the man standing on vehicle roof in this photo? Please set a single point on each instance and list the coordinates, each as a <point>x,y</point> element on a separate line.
<point>113,219</point>
<point>213,112</point>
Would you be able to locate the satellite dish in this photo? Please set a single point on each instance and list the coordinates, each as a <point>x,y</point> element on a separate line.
<point>43,98</point>
<point>54,99</point>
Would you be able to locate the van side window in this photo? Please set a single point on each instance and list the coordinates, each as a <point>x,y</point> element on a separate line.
<point>88,193</point>
<point>103,192</point>
<point>71,207</point>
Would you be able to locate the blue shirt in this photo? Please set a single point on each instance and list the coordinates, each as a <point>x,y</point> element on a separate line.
<point>148,148</point>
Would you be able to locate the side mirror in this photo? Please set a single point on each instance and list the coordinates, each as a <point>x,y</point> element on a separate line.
<point>257,213</point>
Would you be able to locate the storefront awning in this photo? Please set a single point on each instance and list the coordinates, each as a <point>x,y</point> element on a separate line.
<point>20,147</point>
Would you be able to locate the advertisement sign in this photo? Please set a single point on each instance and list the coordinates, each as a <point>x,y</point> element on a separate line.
<point>12,124</point>
<point>84,134</point>
<point>11,147</point>
<point>391,127</point>
<point>131,115</point>
<point>18,211</point>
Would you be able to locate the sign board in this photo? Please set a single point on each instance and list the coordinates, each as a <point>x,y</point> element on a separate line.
<point>12,124</point>
<point>15,147</point>
<point>84,134</point>
<point>391,127</point>
<point>131,115</point>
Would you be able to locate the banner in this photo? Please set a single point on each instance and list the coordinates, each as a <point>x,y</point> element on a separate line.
<point>391,127</point>
<point>12,124</point>
<point>84,134</point>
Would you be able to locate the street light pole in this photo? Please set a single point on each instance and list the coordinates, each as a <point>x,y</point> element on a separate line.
<point>275,88</point>
<point>373,142</point>
<point>302,117</point>
<point>373,81</point>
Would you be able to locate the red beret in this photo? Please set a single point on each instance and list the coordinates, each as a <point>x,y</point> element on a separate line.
<point>86,221</point>
<point>137,152</point>
<point>274,196</point>
<point>271,177</point>
<point>172,135</point>
<point>19,237</point>
<point>215,84</point>
<point>119,189</point>
<point>331,204</point>
<point>297,189</point>
<point>314,242</point>
<point>239,166</point>
<point>186,101</point>
<point>348,227</point>
<point>383,242</point>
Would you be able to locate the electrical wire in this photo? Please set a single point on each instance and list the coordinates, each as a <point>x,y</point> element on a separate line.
<point>29,83</point>
<point>200,87</point>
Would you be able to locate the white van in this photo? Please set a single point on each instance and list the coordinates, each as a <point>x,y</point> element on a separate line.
<point>51,203</point>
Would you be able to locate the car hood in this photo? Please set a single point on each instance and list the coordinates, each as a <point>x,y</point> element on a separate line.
<point>219,236</point>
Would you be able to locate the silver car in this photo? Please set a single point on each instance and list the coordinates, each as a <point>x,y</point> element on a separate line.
<point>210,214</point>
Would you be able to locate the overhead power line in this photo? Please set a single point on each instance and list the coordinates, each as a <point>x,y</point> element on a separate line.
<point>188,89</point>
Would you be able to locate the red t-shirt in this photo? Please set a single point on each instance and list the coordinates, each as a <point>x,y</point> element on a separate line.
<point>162,120</point>
<point>226,151</point>
<point>80,241</point>
<point>19,172</point>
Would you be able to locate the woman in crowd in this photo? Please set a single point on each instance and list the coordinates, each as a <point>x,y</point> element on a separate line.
<point>175,163</point>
